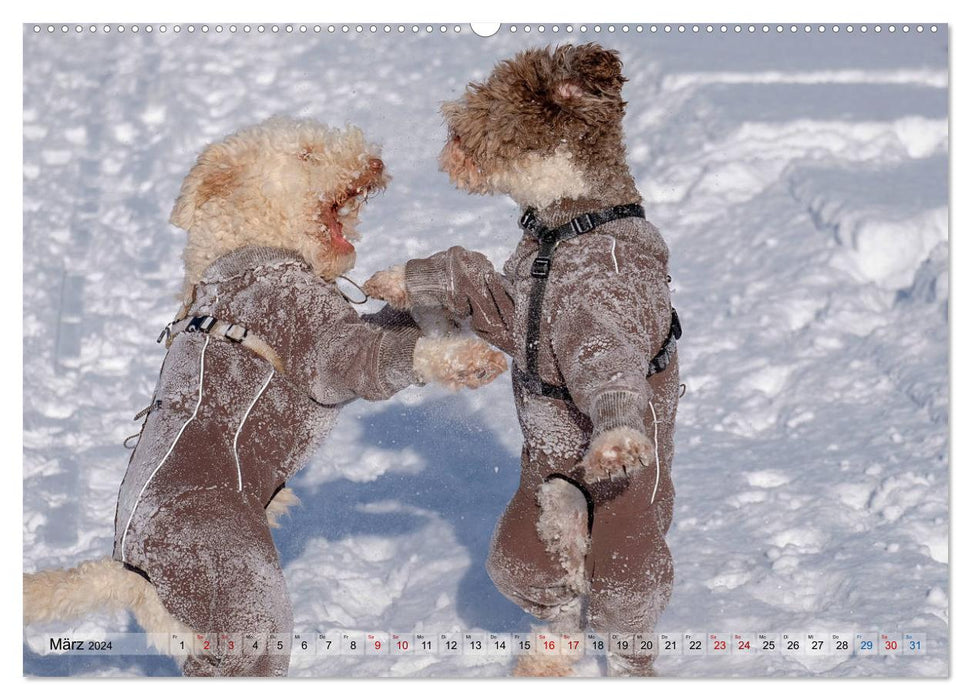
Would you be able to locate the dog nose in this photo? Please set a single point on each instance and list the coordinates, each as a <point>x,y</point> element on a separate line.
<point>375,165</point>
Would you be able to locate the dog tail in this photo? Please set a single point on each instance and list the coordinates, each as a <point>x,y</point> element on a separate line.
<point>281,503</point>
<point>104,584</point>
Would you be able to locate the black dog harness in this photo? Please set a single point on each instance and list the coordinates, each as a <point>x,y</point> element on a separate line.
<point>548,240</point>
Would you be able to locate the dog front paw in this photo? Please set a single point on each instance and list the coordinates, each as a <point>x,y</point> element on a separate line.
<point>458,362</point>
<point>617,454</point>
<point>389,285</point>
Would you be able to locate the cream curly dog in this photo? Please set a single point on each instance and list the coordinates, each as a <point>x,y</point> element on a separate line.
<point>262,356</point>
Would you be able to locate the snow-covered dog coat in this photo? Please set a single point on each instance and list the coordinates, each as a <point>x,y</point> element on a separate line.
<point>228,429</point>
<point>266,352</point>
<point>596,375</point>
<point>605,315</point>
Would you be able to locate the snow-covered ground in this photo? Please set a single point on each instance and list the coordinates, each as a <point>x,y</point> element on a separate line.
<point>801,181</point>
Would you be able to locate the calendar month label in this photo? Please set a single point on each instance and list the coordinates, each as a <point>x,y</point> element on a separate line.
<point>108,643</point>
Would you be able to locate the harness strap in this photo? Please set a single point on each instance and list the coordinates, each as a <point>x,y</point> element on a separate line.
<point>223,330</point>
<point>658,364</point>
<point>548,240</point>
<point>585,223</point>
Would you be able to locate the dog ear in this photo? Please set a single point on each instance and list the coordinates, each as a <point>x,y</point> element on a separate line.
<point>449,109</point>
<point>568,91</point>
<point>598,68</point>
<point>587,71</point>
<point>212,176</point>
<point>184,209</point>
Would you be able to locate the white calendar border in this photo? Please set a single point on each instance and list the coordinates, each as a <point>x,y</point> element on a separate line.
<point>383,10</point>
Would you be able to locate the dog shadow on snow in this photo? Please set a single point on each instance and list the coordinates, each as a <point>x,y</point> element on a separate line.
<point>458,482</point>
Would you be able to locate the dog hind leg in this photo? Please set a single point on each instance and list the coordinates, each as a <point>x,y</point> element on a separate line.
<point>554,593</point>
<point>216,568</point>
<point>562,526</point>
<point>633,570</point>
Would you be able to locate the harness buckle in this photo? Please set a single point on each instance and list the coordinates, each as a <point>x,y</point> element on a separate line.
<point>541,267</point>
<point>200,323</point>
<point>236,333</point>
<point>583,224</point>
<point>528,220</point>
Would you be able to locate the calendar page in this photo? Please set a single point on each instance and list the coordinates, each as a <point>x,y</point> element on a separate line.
<point>550,349</point>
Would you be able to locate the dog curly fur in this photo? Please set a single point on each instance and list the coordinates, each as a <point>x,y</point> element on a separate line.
<point>554,129</point>
<point>249,190</point>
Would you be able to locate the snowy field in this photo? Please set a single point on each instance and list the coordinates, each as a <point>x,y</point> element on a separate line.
<point>801,181</point>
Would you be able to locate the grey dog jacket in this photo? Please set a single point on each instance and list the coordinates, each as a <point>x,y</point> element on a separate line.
<point>228,429</point>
